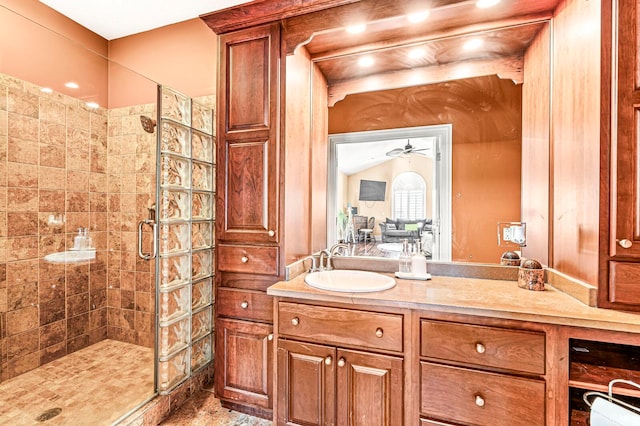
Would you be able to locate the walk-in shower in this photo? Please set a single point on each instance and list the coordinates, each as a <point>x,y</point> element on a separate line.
<point>87,339</point>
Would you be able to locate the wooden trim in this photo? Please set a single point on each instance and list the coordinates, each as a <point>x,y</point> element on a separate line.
<point>484,27</point>
<point>511,67</point>
<point>264,11</point>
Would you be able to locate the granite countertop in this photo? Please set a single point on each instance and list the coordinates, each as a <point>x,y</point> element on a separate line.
<point>473,296</point>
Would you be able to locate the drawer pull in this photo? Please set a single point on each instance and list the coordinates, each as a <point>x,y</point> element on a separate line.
<point>328,360</point>
<point>295,321</point>
<point>270,337</point>
<point>244,305</point>
<point>479,401</point>
<point>341,362</point>
<point>480,348</point>
<point>379,332</point>
<point>271,232</point>
<point>625,243</point>
<point>244,259</point>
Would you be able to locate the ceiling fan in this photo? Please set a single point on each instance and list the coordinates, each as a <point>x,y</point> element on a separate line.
<point>408,149</point>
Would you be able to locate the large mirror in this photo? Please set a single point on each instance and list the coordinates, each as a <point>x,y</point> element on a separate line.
<point>484,85</point>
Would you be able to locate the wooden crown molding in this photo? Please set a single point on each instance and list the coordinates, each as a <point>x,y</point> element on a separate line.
<point>264,11</point>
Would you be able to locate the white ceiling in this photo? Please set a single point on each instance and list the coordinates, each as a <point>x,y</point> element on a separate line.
<point>355,157</point>
<point>113,19</point>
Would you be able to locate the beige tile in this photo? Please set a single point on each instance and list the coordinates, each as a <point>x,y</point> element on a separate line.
<point>52,111</point>
<point>78,118</point>
<point>22,320</point>
<point>21,150</point>
<point>53,156</point>
<point>52,178</point>
<point>77,181</point>
<point>22,175</point>
<point>22,199</point>
<point>23,103</point>
<point>22,248</point>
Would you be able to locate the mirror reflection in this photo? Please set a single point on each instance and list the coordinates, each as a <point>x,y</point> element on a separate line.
<point>485,113</point>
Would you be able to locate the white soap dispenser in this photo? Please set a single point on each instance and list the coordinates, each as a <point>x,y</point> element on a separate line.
<point>78,241</point>
<point>418,262</point>
<point>88,241</point>
<point>404,264</point>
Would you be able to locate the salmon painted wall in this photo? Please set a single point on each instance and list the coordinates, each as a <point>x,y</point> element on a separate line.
<point>182,56</point>
<point>51,57</point>
<point>486,116</point>
<point>39,45</point>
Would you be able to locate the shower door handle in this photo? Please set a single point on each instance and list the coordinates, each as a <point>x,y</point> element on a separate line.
<point>153,226</point>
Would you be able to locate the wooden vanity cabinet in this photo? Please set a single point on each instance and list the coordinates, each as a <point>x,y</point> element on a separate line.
<point>620,254</point>
<point>331,371</point>
<point>476,375</point>
<point>247,216</point>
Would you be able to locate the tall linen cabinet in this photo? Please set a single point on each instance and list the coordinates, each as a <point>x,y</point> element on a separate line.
<point>264,182</point>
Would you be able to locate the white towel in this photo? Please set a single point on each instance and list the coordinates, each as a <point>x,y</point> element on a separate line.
<point>607,413</point>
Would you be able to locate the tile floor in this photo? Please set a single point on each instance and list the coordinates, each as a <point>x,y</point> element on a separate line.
<point>83,385</point>
<point>204,409</point>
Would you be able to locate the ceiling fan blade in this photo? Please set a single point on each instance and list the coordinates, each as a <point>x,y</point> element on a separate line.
<point>395,152</point>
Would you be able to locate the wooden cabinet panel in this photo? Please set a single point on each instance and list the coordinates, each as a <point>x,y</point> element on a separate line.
<point>248,152</point>
<point>307,395</point>
<point>480,398</point>
<point>341,326</point>
<point>249,180</point>
<point>249,78</point>
<point>370,389</point>
<point>244,304</point>
<point>624,283</point>
<point>249,259</point>
<point>246,281</point>
<point>243,362</point>
<point>483,346</point>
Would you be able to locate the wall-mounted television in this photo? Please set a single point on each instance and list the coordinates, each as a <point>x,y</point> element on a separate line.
<point>372,190</point>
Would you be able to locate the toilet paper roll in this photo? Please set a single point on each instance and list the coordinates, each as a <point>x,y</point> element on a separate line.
<point>607,413</point>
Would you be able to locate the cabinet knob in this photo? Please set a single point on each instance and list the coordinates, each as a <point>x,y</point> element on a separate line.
<point>480,348</point>
<point>271,232</point>
<point>295,321</point>
<point>270,337</point>
<point>328,360</point>
<point>379,332</point>
<point>341,362</point>
<point>479,401</point>
<point>625,243</point>
<point>244,259</point>
<point>244,305</point>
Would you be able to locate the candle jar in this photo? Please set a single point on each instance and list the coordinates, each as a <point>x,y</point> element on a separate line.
<point>531,275</point>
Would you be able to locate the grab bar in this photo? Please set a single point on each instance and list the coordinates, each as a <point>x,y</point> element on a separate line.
<point>153,226</point>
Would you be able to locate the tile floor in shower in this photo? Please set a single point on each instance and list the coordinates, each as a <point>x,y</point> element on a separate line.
<point>93,386</point>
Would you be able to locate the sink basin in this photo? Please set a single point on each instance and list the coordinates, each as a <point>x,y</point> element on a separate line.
<point>349,281</point>
<point>72,256</point>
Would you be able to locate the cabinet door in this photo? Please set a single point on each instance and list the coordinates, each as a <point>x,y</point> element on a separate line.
<point>243,362</point>
<point>623,292</point>
<point>306,384</point>
<point>370,389</point>
<point>248,135</point>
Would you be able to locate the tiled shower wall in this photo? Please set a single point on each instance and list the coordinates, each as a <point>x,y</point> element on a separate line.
<point>53,166</point>
<point>95,168</point>
<point>132,186</point>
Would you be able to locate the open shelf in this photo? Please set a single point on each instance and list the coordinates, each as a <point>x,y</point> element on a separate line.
<point>592,365</point>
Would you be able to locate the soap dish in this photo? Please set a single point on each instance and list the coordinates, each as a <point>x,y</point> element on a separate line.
<point>409,276</point>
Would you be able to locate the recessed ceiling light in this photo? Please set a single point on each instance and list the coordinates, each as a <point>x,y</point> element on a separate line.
<point>356,29</point>
<point>366,61</point>
<point>72,85</point>
<point>46,90</point>
<point>473,44</point>
<point>417,53</point>
<point>483,4</point>
<point>416,17</point>
<point>93,105</point>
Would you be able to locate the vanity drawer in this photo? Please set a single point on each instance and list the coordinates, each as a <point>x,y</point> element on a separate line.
<point>480,398</point>
<point>341,327</point>
<point>245,304</point>
<point>522,351</point>
<point>249,259</point>
<point>623,283</point>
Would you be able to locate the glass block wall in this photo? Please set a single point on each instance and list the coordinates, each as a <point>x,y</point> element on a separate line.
<point>186,192</point>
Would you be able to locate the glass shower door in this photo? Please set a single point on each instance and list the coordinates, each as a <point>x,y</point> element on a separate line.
<point>184,275</point>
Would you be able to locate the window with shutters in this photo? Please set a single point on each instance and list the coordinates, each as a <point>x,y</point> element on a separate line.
<point>409,193</point>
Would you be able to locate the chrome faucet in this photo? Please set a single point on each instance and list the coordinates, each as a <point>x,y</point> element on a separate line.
<point>329,253</point>
<point>314,265</point>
